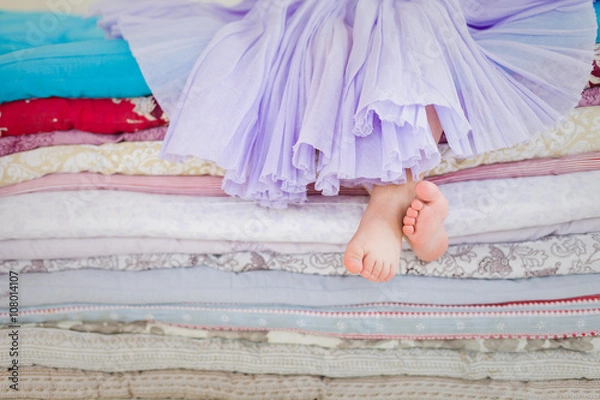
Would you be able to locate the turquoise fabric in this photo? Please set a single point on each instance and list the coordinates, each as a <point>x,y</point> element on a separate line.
<point>597,8</point>
<point>51,55</point>
<point>25,30</point>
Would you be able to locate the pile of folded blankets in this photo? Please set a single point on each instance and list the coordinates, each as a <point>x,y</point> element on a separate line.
<point>127,276</point>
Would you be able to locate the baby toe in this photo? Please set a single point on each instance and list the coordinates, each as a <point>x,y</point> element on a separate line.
<point>417,205</point>
<point>411,212</point>
<point>408,230</point>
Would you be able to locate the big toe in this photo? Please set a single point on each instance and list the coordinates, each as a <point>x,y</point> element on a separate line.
<point>353,258</point>
<point>428,191</point>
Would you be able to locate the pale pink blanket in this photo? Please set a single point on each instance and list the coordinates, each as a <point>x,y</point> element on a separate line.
<point>210,186</point>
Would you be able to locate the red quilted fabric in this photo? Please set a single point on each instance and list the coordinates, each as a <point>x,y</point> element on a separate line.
<point>108,116</point>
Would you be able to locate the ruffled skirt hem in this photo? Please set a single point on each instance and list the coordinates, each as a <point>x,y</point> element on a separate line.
<point>291,92</point>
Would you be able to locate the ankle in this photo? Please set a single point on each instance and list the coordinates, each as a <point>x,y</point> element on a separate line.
<point>392,198</point>
<point>392,212</point>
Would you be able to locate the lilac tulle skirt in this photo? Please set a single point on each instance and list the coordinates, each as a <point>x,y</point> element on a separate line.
<point>283,93</point>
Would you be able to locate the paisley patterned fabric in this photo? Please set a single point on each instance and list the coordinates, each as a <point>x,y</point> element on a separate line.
<point>555,255</point>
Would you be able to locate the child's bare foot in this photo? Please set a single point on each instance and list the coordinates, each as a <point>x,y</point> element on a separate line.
<point>424,222</point>
<point>374,251</point>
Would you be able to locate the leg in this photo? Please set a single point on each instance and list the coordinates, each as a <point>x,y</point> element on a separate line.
<point>374,251</point>
<point>423,223</point>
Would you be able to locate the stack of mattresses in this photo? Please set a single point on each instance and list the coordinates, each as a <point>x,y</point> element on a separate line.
<point>133,277</point>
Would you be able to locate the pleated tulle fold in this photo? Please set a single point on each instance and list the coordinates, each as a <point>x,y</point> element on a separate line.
<point>283,93</point>
<point>166,41</point>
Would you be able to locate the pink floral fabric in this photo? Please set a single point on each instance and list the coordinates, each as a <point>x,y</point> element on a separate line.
<point>16,144</point>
